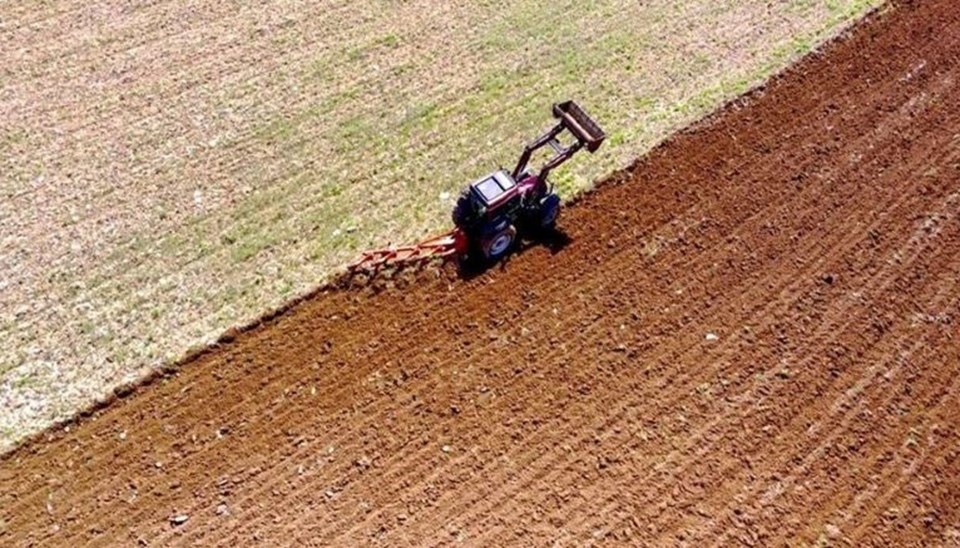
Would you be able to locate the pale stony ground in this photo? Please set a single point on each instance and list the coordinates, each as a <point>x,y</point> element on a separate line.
<point>171,168</point>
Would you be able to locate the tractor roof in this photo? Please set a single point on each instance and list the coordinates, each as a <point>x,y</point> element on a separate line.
<point>494,186</point>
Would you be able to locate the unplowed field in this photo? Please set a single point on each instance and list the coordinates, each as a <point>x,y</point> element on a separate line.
<point>751,336</point>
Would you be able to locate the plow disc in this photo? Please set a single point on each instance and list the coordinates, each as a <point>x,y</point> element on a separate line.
<point>444,246</point>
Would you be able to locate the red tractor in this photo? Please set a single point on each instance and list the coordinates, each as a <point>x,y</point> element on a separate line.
<point>494,211</point>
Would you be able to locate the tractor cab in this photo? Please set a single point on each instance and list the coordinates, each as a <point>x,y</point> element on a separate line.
<point>495,190</point>
<point>486,200</point>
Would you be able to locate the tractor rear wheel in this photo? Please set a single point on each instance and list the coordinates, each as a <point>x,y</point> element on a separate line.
<point>497,244</point>
<point>462,211</point>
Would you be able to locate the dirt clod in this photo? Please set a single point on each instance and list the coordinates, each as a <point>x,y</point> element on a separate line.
<point>179,519</point>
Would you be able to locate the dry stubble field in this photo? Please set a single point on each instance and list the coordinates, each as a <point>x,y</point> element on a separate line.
<point>172,168</point>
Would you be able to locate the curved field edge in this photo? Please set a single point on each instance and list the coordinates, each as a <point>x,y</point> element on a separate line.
<point>270,171</point>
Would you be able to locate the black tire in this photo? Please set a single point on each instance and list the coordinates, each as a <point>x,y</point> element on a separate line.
<point>499,243</point>
<point>549,211</point>
<point>463,211</point>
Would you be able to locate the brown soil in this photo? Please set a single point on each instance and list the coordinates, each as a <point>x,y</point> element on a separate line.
<point>752,337</point>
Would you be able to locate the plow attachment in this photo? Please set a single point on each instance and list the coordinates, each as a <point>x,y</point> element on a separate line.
<point>443,246</point>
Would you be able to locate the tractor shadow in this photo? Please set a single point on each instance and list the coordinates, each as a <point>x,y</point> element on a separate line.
<point>553,240</point>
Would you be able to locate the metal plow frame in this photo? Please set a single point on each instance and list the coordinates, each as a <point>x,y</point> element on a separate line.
<point>443,246</point>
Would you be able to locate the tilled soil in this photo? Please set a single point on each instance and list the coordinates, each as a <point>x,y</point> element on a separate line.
<point>751,336</point>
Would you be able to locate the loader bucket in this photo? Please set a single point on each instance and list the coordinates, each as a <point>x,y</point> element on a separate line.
<point>580,124</point>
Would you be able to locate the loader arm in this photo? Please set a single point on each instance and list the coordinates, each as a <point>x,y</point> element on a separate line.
<point>573,119</point>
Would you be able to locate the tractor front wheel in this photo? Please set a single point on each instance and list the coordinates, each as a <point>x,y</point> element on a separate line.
<point>497,244</point>
<point>549,211</point>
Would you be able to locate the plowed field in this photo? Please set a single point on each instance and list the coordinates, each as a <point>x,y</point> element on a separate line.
<point>751,336</point>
